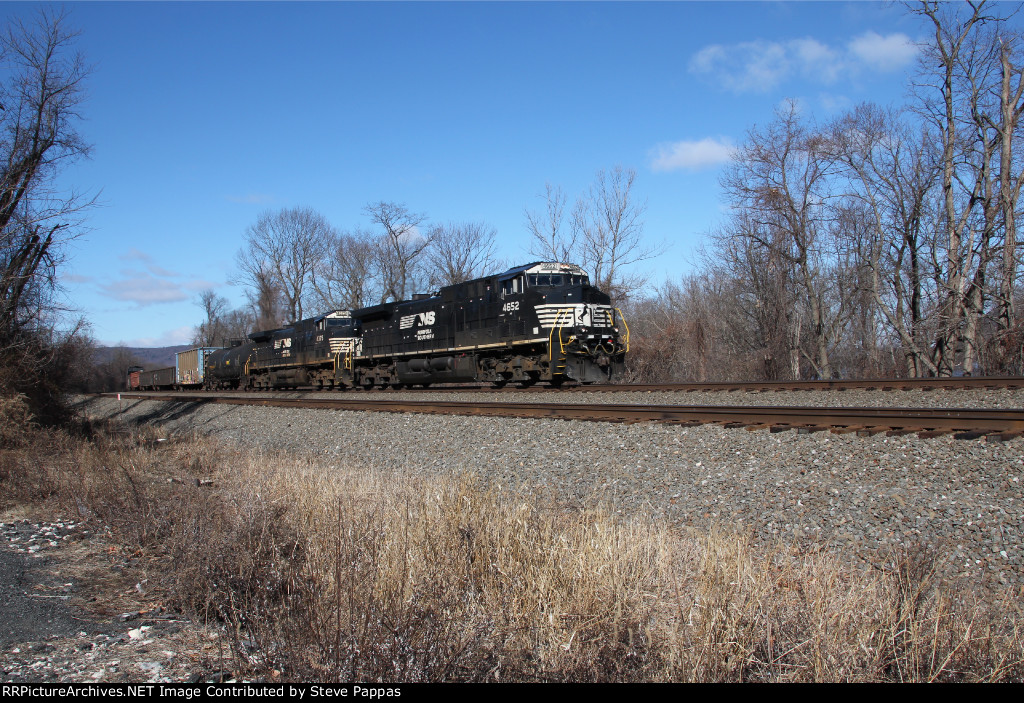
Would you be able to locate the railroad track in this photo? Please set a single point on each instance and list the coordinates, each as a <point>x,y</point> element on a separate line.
<point>967,423</point>
<point>882,384</point>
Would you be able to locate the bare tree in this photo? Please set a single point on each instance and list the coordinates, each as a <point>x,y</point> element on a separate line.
<point>42,89</point>
<point>940,95</point>
<point>968,90</point>
<point>673,332</point>
<point>211,332</point>
<point>551,241</point>
<point>603,233</point>
<point>460,252</point>
<point>265,300</point>
<point>399,248</point>
<point>345,280</point>
<point>1011,177</point>
<point>237,323</point>
<point>890,170</point>
<point>221,324</point>
<point>883,243</point>
<point>760,310</point>
<point>283,250</point>
<point>41,92</point>
<point>781,177</point>
<point>609,220</point>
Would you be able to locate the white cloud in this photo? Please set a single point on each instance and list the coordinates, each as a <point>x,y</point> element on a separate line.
<point>691,155</point>
<point>815,60</point>
<point>134,254</point>
<point>760,66</point>
<point>750,66</point>
<point>162,272</point>
<point>889,53</point>
<point>199,284</point>
<point>144,290</point>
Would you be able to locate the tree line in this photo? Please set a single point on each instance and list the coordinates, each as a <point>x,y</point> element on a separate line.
<point>880,243</point>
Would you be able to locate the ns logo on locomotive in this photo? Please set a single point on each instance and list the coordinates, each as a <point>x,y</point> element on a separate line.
<point>542,322</point>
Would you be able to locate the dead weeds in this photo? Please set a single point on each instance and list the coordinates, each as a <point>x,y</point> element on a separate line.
<point>323,572</point>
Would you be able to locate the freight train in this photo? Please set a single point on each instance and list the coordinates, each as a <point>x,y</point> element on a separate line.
<point>542,322</point>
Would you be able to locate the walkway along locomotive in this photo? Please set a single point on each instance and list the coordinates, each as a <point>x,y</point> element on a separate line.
<point>542,322</point>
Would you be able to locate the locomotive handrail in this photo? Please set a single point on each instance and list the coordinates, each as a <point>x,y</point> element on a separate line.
<point>551,334</point>
<point>626,325</point>
<point>344,356</point>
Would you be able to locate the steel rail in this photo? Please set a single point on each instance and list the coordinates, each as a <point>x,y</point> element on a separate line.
<point>863,420</point>
<point>882,384</point>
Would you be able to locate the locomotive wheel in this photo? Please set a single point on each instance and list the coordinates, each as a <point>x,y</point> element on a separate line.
<point>529,380</point>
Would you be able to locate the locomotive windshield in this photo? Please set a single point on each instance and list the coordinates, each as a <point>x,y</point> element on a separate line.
<point>552,280</point>
<point>338,318</point>
<point>543,275</point>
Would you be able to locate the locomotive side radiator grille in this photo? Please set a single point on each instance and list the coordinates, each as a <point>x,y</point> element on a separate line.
<point>574,315</point>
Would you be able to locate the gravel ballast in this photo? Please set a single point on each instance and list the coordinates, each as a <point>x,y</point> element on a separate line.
<point>1004,398</point>
<point>962,498</point>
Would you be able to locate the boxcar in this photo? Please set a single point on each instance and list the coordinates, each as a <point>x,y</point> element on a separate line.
<point>190,366</point>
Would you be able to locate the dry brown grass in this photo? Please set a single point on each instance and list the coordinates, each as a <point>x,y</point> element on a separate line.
<point>329,573</point>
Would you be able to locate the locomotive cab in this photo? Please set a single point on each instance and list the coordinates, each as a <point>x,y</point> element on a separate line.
<point>557,302</point>
<point>560,296</point>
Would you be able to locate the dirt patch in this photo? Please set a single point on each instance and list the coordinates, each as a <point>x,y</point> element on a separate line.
<point>76,607</point>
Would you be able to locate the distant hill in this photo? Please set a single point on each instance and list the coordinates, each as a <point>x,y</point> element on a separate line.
<point>149,358</point>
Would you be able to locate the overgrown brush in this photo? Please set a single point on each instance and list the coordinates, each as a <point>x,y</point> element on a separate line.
<point>327,572</point>
<point>16,421</point>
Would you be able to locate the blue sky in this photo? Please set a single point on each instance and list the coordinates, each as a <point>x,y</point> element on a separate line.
<point>204,115</point>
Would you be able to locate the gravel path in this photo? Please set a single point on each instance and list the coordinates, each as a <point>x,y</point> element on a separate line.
<point>963,498</point>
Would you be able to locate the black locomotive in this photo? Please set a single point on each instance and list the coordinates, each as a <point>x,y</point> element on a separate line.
<point>305,354</point>
<point>542,322</point>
